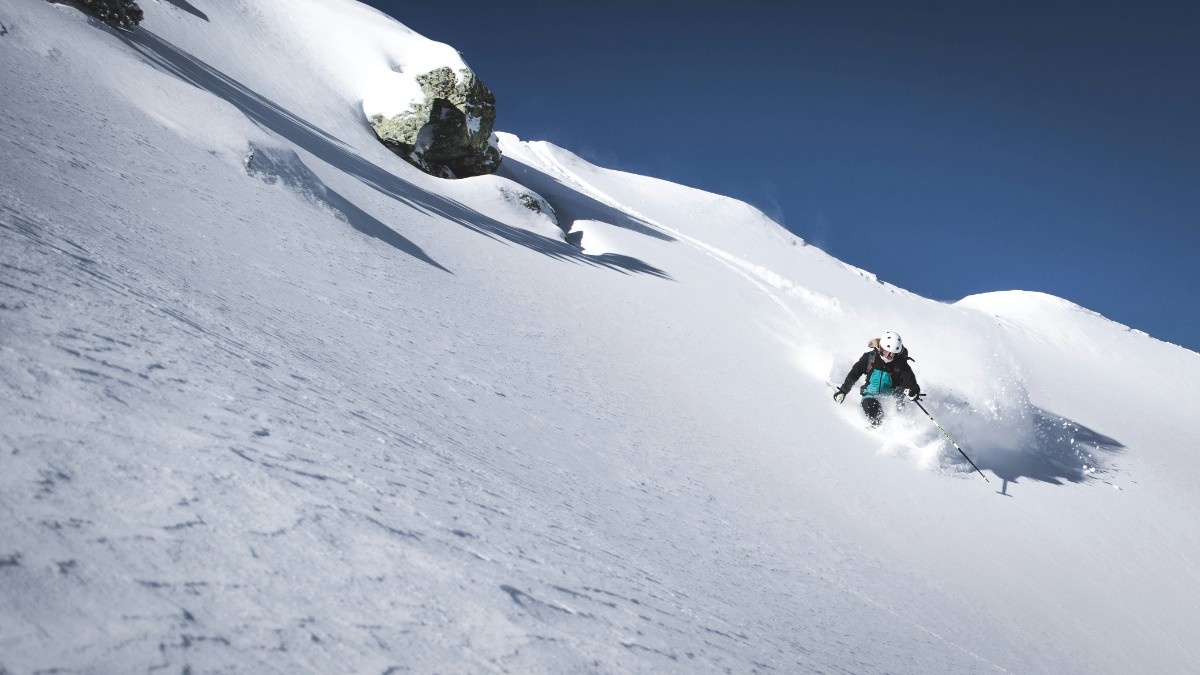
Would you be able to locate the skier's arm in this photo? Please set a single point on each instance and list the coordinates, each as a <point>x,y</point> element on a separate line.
<point>856,372</point>
<point>910,385</point>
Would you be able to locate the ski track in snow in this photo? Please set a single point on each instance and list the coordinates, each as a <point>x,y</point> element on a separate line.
<point>764,280</point>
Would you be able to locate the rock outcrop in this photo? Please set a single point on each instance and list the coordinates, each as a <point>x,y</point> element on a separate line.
<point>119,13</point>
<point>448,132</point>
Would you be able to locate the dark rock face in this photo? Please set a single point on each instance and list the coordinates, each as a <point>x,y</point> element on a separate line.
<point>448,133</point>
<point>118,13</point>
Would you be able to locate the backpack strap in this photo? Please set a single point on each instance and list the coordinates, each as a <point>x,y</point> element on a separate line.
<point>870,368</point>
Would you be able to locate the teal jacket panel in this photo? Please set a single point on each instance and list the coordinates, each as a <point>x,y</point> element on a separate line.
<point>878,383</point>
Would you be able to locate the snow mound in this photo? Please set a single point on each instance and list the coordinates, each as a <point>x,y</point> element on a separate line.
<point>365,54</point>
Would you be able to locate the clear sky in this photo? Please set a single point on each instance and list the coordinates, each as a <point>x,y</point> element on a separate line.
<point>950,148</point>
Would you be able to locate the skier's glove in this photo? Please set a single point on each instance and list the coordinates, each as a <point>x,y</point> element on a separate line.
<point>913,397</point>
<point>839,395</point>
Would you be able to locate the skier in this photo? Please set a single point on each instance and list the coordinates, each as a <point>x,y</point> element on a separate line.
<point>888,374</point>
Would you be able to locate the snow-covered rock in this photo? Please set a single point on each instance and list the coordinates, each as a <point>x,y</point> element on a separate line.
<point>446,131</point>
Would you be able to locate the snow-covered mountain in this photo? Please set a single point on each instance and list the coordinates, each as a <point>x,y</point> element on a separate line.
<point>275,401</point>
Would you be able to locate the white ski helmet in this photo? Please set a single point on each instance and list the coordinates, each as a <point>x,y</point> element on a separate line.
<point>891,342</point>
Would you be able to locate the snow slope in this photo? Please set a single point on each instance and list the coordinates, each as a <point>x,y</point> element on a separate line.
<point>274,401</point>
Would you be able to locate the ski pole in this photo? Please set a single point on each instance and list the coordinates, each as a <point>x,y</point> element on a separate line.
<point>935,423</point>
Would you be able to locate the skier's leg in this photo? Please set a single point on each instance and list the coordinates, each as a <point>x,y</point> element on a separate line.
<point>873,410</point>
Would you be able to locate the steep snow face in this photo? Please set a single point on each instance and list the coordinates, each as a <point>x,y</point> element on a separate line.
<point>273,400</point>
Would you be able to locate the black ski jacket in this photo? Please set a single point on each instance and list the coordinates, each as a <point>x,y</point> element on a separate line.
<point>902,374</point>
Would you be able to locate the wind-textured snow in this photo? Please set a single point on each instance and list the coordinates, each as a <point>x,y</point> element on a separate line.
<point>275,401</point>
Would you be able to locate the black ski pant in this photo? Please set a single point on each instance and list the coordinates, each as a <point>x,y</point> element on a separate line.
<point>873,409</point>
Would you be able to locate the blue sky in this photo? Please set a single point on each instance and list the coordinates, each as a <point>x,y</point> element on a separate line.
<point>950,148</point>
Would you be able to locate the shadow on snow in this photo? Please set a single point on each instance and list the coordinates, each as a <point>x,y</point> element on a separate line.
<point>570,204</point>
<point>187,7</point>
<point>285,166</point>
<point>1056,451</point>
